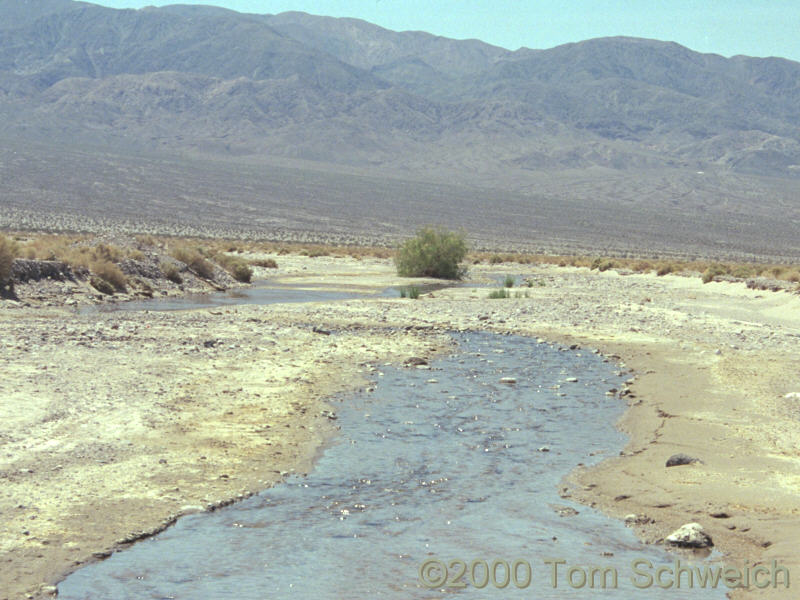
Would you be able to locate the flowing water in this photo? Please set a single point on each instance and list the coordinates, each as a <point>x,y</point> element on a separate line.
<point>444,464</point>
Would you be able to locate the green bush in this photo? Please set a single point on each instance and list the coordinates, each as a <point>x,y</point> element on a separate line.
<point>8,251</point>
<point>501,293</point>
<point>433,253</point>
<point>509,281</point>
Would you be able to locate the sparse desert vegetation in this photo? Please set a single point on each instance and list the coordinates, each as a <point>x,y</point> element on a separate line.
<point>194,260</point>
<point>8,252</point>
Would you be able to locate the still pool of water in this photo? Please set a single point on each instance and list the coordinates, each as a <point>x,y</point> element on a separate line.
<point>446,463</point>
<point>261,293</point>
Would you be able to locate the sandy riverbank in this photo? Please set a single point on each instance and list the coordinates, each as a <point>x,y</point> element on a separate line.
<point>112,423</point>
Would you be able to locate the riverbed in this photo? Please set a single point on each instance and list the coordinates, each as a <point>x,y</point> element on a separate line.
<point>459,461</point>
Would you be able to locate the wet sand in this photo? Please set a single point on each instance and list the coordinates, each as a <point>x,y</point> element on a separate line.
<point>114,423</point>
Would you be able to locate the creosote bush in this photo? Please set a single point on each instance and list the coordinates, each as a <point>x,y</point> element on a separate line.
<point>433,252</point>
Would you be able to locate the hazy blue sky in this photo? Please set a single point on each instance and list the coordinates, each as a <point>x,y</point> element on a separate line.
<point>753,27</point>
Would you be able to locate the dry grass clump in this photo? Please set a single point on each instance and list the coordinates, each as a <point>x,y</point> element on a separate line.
<point>237,267</point>
<point>713,271</point>
<point>76,251</point>
<point>267,263</point>
<point>604,264</point>
<point>172,272</point>
<point>110,272</point>
<point>193,259</point>
<point>8,252</point>
<point>665,268</point>
<point>315,251</point>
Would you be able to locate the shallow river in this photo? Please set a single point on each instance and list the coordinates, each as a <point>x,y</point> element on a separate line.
<point>442,464</point>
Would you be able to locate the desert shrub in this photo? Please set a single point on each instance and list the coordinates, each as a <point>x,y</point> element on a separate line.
<point>433,253</point>
<point>508,281</point>
<point>501,293</point>
<point>665,269</point>
<point>241,271</point>
<point>8,251</point>
<point>110,273</point>
<point>642,266</point>
<point>495,259</point>
<point>194,260</point>
<point>603,264</point>
<point>171,272</point>
<point>267,263</point>
<point>136,255</point>
<point>743,271</point>
<point>713,271</point>
<point>794,277</point>
<point>146,240</point>
<point>315,252</point>
<point>237,267</point>
<point>108,253</point>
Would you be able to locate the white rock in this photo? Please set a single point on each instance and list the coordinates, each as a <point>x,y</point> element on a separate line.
<point>509,380</point>
<point>792,396</point>
<point>690,535</point>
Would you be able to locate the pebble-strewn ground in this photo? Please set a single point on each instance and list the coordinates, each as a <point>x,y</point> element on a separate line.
<point>112,423</point>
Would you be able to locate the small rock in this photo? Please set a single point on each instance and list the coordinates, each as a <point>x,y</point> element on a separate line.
<point>415,361</point>
<point>690,535</point>
<point>564,511</point>
<point>509,380</point>
<point>544,449</point>
<point>571,380</point>
<point>677,460</point>
<point>633,519</point>
<point>792,396</point>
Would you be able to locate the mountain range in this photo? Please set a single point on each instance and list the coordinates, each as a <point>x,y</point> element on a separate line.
<point>346,96</point>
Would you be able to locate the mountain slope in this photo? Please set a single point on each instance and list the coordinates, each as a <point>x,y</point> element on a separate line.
<point>619,123</point>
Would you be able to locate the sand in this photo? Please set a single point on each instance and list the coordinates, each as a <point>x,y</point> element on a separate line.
<point>113,424</point>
